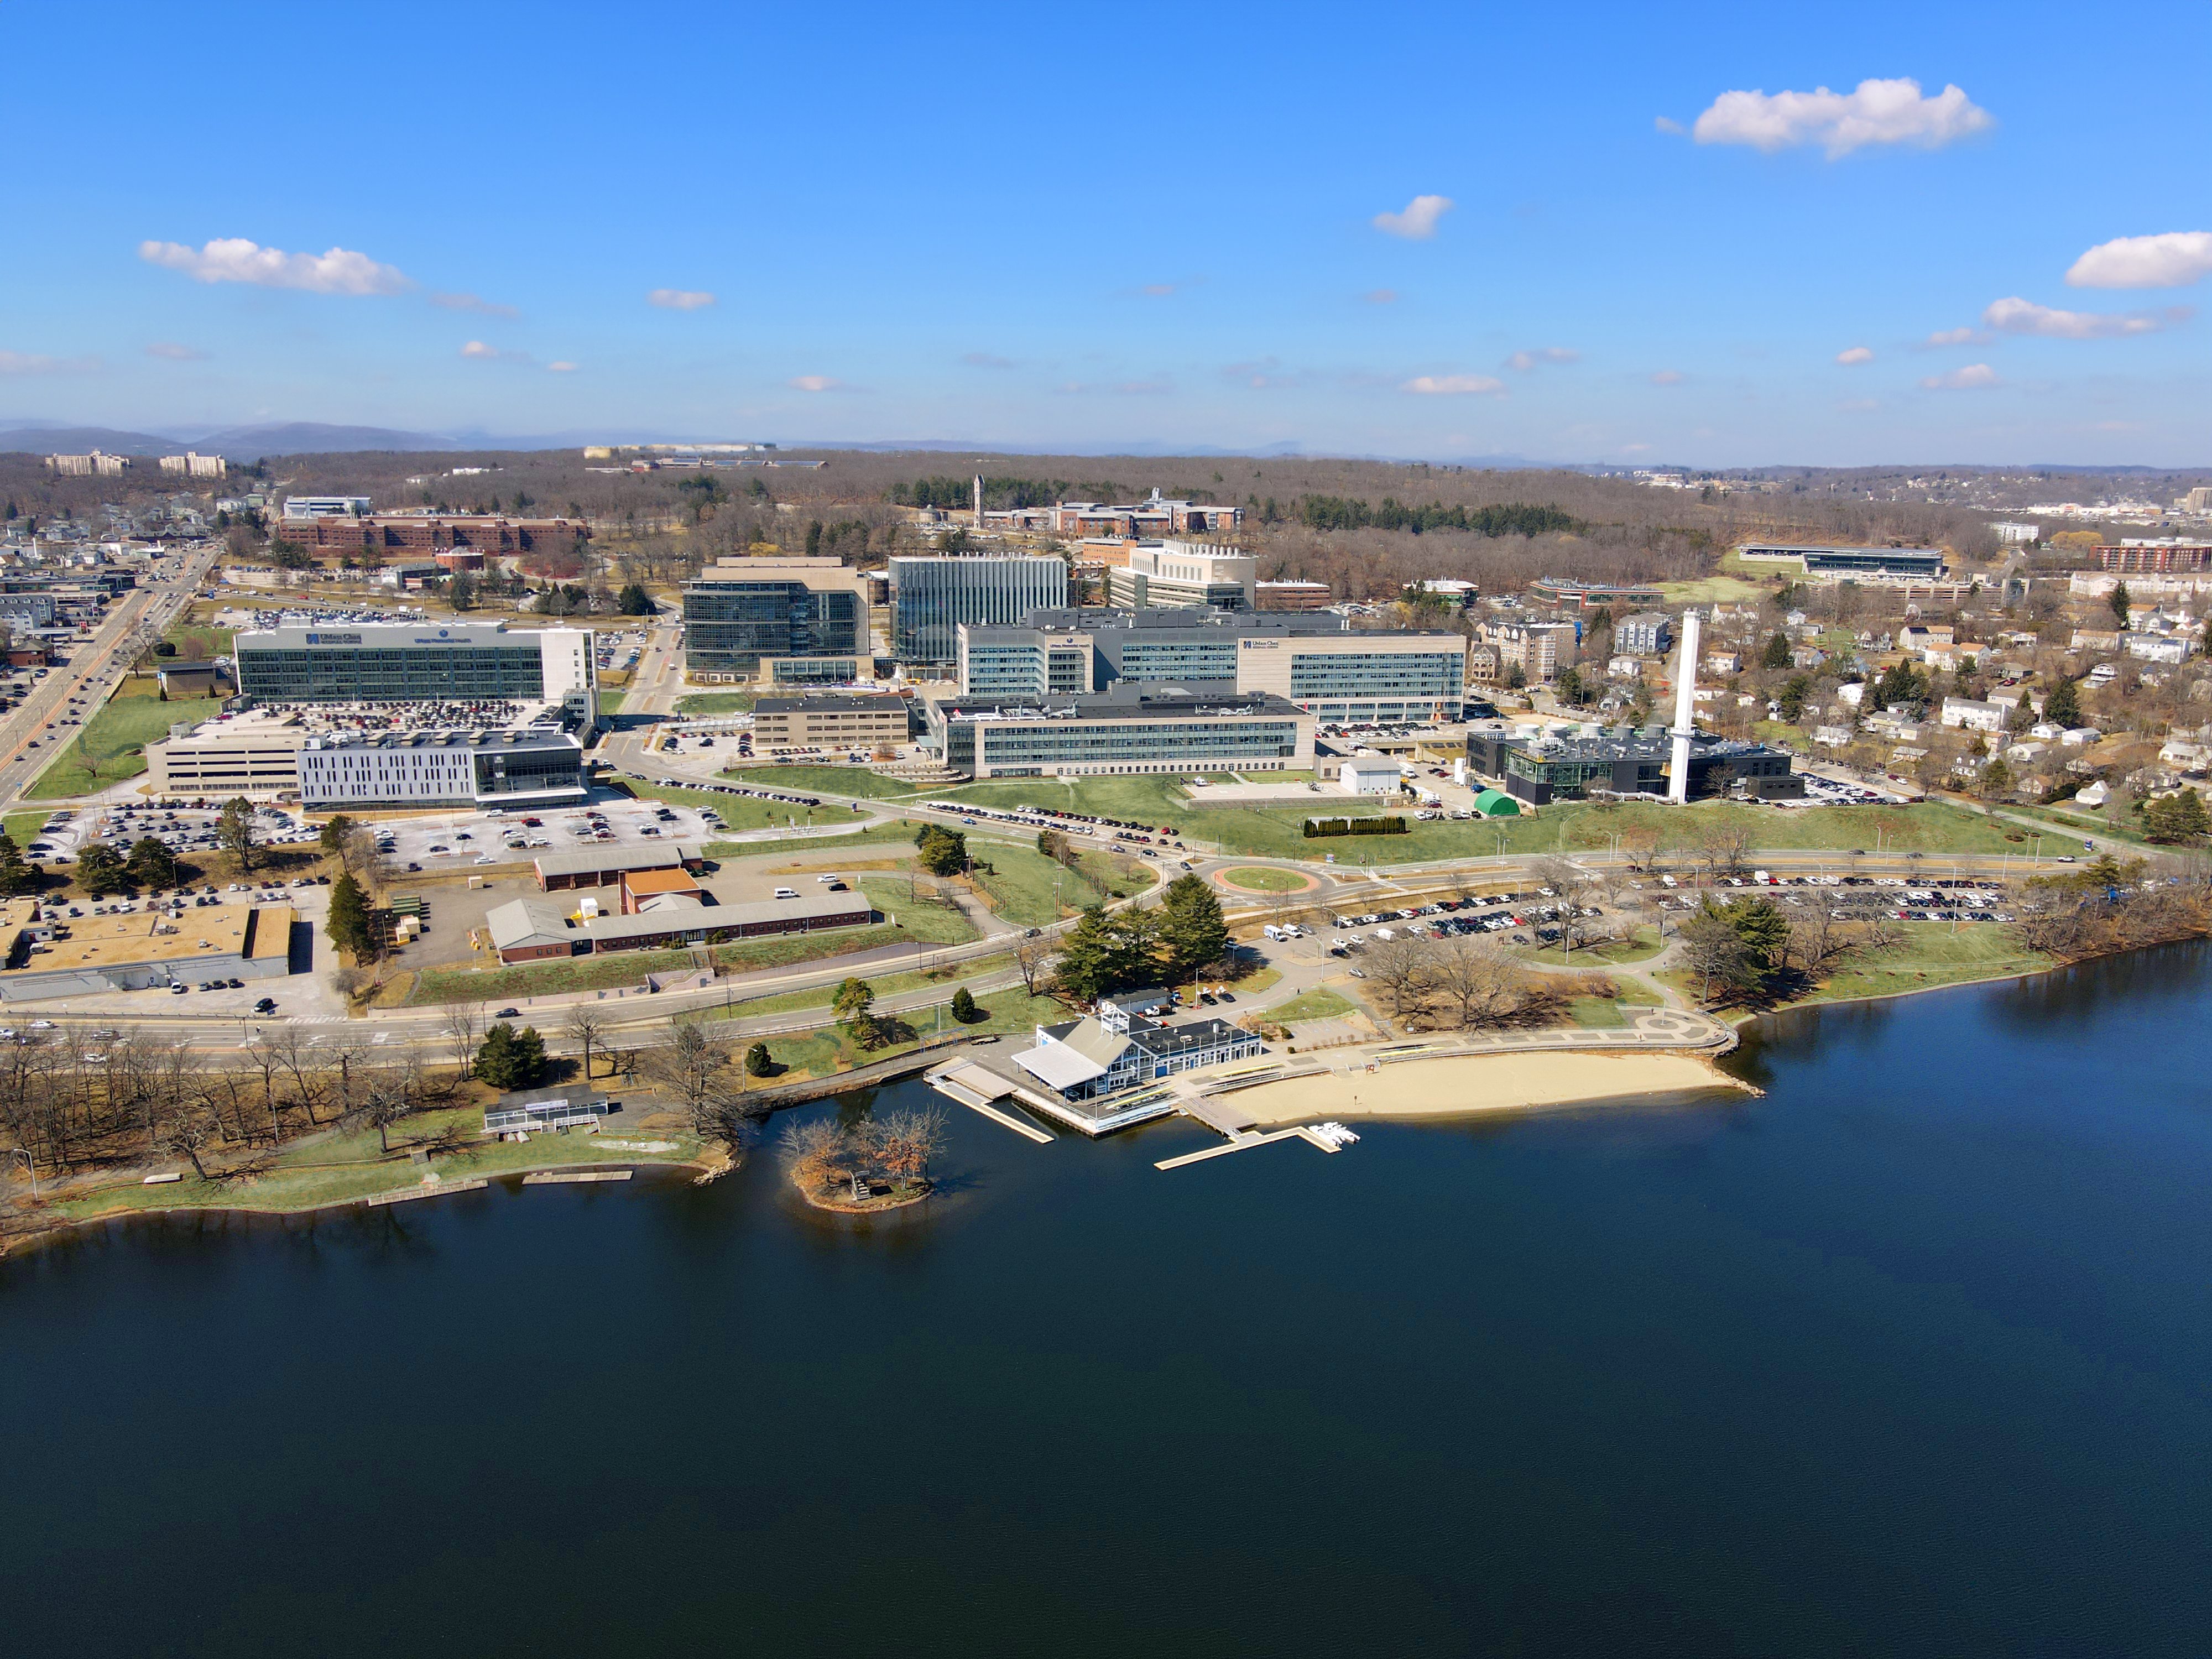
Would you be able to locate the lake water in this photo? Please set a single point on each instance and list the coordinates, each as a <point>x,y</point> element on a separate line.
<point>1913,1356</point>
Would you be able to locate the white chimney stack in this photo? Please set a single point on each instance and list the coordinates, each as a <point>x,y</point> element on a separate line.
<point>1686,711</point>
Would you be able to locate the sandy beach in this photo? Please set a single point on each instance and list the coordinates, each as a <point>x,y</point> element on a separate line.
<point>1480,1083</point>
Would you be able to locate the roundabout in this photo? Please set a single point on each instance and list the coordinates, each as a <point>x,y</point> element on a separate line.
<point>1266,878</point>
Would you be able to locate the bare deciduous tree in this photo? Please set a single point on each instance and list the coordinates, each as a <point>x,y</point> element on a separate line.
<point>696,1070</point>
<point>462,1032</point>
<point>585,1025</point>
<point>1400,968</point>
<point>1479,978</point>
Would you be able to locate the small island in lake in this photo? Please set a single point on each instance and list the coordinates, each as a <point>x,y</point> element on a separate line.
<point>871,1163</point>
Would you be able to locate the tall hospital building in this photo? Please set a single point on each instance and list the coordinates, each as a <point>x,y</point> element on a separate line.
<point>407,662</point>
<point>395,713</point>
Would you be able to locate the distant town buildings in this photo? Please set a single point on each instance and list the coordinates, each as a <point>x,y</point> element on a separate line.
<point>96,464</point>
<point>2132,558</point>
<point>1644,633</point>
<point>194,466</point>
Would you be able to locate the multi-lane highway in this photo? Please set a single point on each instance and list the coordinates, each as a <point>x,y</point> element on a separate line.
<point>132,623</point>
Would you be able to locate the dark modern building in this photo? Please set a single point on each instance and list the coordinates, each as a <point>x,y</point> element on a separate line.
<point>795,621</point>
<point>1626,762</point>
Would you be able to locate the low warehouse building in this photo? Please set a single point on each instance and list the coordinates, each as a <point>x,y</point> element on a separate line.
<point>537,930</point>
<point>596,867</point>
<point>131,953</point>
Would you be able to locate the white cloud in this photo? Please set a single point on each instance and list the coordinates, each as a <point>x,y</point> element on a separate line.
<point>561,369</point>
<point>679,299</point>
<point>1453,385</point>
<point>1852,356</point>
<point>32,362</point>
<point>1381,296</point>
<point>1951,337</point>
<point>813,383</point>
<point>1663,124</point>
<point>1974,377</point>
<point>1263,374</point>
<point>480,352</point>
<point>2174,259</point>
<point>1158,290</point>
<point>1668,377</point>
<point>1522,361</point>
<point>1418,222</point>
<point>170,351</point>
<point>473,302</point>
<point>1878,112</point>
<point>985,360</point>
<point>2018,316</point>
<point>234,259</point>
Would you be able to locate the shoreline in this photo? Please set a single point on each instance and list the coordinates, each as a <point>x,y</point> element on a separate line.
<point>1471,1085</point>
<point>702,1172</point>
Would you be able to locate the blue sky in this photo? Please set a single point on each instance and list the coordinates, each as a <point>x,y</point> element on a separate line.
<point>1091,226</point>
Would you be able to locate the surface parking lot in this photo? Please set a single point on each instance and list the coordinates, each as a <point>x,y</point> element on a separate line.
<point>435,841</point>
<point>189,832</point>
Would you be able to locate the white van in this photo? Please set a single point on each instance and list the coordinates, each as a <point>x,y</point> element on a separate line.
<point>785,892</point>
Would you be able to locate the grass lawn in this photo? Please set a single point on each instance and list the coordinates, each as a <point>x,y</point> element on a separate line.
<point>610,703</point>
<point>117,737</point>
<point>1320,1003</point>
<point>1930,955</point>
<point>825,779</point>
<point>1641,948</point>
<point>1011,1012</point>
<point>1276,831</point>
<point>1721,589</point>
<point>594,973</point>
<point>929,923</point>
<point>336,1168</point>
<point>884,985</point>
<point>2078,822</point>
<point>24,828</point>
<point>716,702</point>
<point>1259,877</point>
<point>738,812</point>
<point>197,641</point>
<point>1022,881</point>
<point>889,835</point>
<point>1597,1013</point>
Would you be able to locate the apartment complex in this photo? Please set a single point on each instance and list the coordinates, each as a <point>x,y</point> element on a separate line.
<point>831,722</point>
<point>1182,575</point>
<point>931,596</point>
<point>1646,634</point>
<point>1134,727</point>
<point>96,464</point>
<point>536,767</point>
<point>400,662</point>
<point>2146,558</point>
<point>193,464</point>
<point>1538,649</point>
<point>793,622</point>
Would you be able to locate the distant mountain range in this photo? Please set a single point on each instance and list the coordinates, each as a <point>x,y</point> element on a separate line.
<point>251,443</point>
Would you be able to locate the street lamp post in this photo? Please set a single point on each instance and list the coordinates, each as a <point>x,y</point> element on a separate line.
<point>30,1164</point>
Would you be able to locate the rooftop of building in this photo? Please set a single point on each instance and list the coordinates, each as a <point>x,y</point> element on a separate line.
<point>1157,699</point>
<point>662,857</point>
<point>1078,619</point>
<point>1623,742</point>
<point>457,737</point>
<point>289,636</point>
<point>559,919</point>
<point>829,703</point>
<point>249,931</point>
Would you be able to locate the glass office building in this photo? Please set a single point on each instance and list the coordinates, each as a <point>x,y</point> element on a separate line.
<point>381,663</point>
<point>932,597</point>
<point>732,623</point>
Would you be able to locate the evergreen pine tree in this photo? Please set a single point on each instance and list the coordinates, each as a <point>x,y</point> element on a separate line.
<point>963,1006</point>
<point>2063,706</point>
<point>349,924</point>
